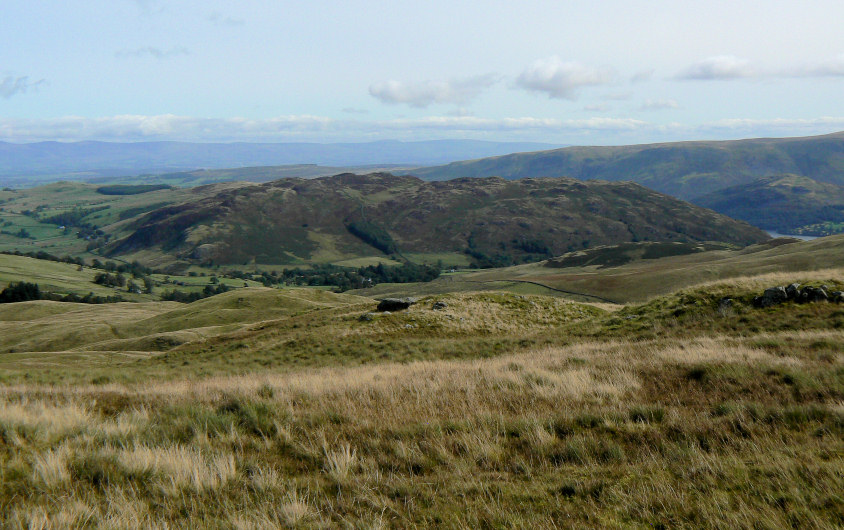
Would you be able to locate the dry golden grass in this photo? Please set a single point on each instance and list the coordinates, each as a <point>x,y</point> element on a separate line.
<point>677,425</point>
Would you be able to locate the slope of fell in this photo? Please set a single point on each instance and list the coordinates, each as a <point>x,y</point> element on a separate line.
<point>493,220</point>
<point>681,169</point>
<point>789,204</point>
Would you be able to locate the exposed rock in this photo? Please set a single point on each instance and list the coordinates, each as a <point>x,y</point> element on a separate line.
<point>777,295</point>
<point>771,296</point>
<point>837,297</point>
<point>813,294</point>
<point>367,317</point>
<point>395,304</point>
<point>439,306</point>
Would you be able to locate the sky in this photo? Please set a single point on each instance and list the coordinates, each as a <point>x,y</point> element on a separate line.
<point>565,72</point>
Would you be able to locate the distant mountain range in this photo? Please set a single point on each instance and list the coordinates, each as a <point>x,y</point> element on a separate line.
<point>683,169</point>
<point>91,159</point>
<point>492,221</point>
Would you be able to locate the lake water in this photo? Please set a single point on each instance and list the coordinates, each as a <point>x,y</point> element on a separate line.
<point>804,238</point>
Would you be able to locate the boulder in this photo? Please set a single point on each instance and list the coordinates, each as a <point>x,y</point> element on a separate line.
<point>367,317</point>
<point>395,304</point>
<point>813,294</point>
<point>439,306</point>
<point>771,296</point>
<point>793,291</point>
<point>837,297</point>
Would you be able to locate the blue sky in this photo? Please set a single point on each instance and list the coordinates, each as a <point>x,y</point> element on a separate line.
<point>601,72</point>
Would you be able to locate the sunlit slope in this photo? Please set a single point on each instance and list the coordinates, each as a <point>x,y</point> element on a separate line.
<point>639,279</point>
<point>45,326</point>
<point>60,278</point>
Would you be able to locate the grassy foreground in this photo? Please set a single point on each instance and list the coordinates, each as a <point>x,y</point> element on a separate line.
<point>500,411</point>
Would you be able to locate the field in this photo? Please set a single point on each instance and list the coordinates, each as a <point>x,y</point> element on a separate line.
<point>293,408</point>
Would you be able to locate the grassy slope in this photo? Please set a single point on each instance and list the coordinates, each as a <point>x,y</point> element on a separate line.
<point>526,411</point>
<point>684,169</point>
<point>56,333</point>
<point>639,280</point>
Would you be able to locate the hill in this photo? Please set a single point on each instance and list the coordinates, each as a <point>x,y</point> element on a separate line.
<point>493,221</point>
<point>44,161</point>
<point>681,169</point>
<point>789,204</point>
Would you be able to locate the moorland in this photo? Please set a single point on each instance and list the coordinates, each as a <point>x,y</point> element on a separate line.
<point>573,354</point>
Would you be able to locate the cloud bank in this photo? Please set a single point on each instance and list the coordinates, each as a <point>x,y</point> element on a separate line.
<point>595,130</point>
<point>722,67</point>
<point>659,104</point>
<point>728,67</point>
<point>152,51</point>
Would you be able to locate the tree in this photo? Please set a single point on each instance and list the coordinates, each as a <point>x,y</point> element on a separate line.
<point>20,292</point>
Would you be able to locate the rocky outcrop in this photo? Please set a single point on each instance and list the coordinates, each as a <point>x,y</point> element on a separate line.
<point>806,295</point>
<point>395,304</point>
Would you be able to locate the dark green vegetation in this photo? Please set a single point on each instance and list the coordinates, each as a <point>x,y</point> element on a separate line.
<point>684,169</point>
<point>129,189</point>
<point>788,204</point>
<point>496,222</point>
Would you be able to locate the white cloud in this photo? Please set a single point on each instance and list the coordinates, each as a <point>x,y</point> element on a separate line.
<point>830,68</point>
<point>719,68</point>
<point>618,96</point>
<point>353,110</point>
<point>12,86</point>
<point>152,51</point>
<point>562,80</point>
<point>644,75</point>
<point>659,104</point>
<point>218,19</point>
<point>729,68</point>
<point>149,7</point>
<point>422,94</point>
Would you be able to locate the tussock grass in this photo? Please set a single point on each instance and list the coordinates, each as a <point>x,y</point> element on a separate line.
<point>578,418</point>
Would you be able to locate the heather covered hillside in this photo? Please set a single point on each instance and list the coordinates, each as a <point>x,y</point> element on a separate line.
<point>493,221</point>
